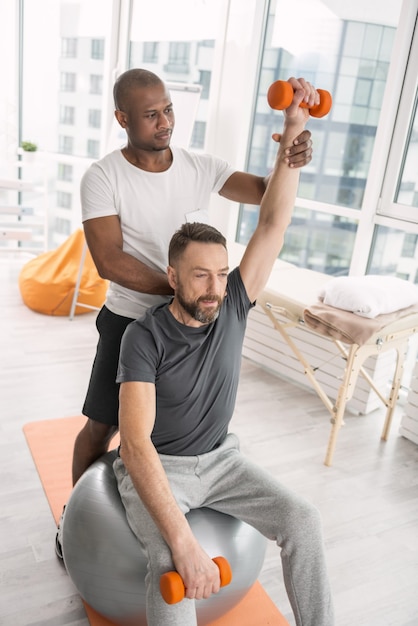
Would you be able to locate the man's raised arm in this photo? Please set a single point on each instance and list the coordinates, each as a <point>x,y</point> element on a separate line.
<point>279,198</point>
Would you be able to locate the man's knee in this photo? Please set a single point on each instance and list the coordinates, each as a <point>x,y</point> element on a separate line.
<point>302,519</point>
<point>307,522</point>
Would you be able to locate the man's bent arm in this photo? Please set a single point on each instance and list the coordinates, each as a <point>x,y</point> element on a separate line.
<point>104,239</point>
<point>136,421</point>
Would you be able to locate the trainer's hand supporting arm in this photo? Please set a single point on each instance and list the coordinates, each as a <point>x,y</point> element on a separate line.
<point>278,200</point>
<point>136,420</point>
<point>247,188</point>
<point>105,242</point>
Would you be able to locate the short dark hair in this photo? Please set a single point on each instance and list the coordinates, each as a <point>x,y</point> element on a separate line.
<point>129,80</point>
<point>192,231</point>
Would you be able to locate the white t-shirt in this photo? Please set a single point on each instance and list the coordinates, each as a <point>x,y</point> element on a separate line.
<point>151,206</point>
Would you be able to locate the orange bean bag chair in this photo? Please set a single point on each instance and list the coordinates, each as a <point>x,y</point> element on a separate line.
<point>47,282</point>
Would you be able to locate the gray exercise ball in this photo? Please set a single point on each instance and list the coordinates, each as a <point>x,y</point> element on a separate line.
<point>107,566</point>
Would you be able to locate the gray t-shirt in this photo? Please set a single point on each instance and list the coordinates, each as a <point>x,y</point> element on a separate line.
<point>195,371</point>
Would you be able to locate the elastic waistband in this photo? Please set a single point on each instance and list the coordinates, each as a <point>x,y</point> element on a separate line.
<point>230,441</point>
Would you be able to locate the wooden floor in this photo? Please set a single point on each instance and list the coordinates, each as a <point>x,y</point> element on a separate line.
<point>368,499</point>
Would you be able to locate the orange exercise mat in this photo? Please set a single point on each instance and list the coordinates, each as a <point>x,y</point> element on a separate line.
<point>51,444</point>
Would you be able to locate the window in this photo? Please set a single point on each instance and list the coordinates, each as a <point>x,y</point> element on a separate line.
<point>204,80</point>
<point>69,47</point>
<point>410,246</point>
<point>396,229</point>
<point>179,50</point>
<point>350,57</point>
<point>97,48</point>
<point>68,81</point>
<point>63,226</point>
<point>349,202</point>
<point>407,191</point>
<point>198,135</point>
<point>96,84</point>
<point>400,194</point>
<point>64,199</point>
<point>65,144</point>
<point>207,43</point>
<point>93,148</point>
<point>53,71</point>
<point>394,254</point>
<point>65,172</point>
<point>95,118</point>
<point>67,115</point>
<point>178,58</point>
<point>150,53</point>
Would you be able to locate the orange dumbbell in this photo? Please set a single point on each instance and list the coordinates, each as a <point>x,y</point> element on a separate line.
<point>172,586</point>
<point>280,96</point>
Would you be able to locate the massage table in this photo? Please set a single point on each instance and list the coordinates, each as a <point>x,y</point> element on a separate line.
<point>290,300</point>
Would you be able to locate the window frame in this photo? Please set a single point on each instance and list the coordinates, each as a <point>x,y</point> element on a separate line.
<point>408,108</point>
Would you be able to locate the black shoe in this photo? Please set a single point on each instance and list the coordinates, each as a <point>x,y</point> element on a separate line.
<point>58,538</point>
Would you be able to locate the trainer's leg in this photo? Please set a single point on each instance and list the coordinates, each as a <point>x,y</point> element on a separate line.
<point>246,491</point>
<point>101,405</point>
<point>158,554</point>
<point>91,443</point>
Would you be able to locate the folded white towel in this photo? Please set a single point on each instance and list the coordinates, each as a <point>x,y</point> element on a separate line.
<point>369,295</point>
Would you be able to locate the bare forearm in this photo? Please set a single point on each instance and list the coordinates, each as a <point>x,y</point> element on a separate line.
<point>278,201</point>
<point>141,459</point>
<point>151,484</point>
<point>129,272</point>
<point>105,241</point>
<point>199,574</point>
<point>275,215</point>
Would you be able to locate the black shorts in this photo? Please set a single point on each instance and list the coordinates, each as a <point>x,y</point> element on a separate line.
<point>102,399</point>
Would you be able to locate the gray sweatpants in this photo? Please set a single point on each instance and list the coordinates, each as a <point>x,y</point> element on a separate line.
<point>226,481</point>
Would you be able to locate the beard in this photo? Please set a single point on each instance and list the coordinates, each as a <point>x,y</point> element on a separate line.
<point>192,307</point>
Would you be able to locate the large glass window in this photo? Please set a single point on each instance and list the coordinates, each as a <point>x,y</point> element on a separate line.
<point>85,46</point>
<point>346,51</point>
<point>396,233</point>
<point>362,183</point>
<point>62,87</point>
<point>400,190</point>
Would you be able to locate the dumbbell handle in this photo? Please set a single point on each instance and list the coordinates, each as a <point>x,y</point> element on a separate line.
<point>172,586</point>
<point>280,96</point>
